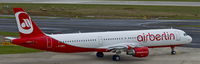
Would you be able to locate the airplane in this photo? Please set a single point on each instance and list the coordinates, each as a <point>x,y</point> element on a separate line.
<point>135,43</point>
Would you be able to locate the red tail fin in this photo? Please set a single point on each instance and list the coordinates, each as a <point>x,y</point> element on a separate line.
<point>27,28</point>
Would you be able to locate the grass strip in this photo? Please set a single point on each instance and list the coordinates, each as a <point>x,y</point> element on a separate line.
<point>16,49</point>
<point>95,11</point>
<point>9,34</point>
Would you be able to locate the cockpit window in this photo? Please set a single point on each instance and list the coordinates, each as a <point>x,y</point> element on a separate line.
<point>185,34</point>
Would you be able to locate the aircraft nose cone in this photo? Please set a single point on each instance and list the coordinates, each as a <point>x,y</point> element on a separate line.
<point>189,39</point>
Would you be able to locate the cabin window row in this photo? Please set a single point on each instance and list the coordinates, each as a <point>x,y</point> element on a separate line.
<point>123,38</point>
<point>88,40</point>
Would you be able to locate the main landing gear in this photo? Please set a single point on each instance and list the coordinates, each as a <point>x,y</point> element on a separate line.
<point>115,57</point>
<point>99,54</point>
<point>173,52</point>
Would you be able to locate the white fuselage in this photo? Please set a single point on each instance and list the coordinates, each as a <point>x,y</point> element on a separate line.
<point>158,37</point>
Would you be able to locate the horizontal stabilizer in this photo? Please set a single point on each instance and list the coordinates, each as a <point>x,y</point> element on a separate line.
<point>10,38</point>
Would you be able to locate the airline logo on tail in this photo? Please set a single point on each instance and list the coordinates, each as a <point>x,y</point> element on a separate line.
<point>24,23</point>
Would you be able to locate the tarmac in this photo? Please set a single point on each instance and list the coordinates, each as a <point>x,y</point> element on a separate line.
<point>157,56</point>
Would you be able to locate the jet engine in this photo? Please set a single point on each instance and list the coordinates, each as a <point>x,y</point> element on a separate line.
<point>138,52</point>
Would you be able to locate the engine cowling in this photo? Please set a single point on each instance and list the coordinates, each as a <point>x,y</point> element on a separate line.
<point>139,52</point>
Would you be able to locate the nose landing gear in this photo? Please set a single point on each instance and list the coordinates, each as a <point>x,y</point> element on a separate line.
<point>173,52</point>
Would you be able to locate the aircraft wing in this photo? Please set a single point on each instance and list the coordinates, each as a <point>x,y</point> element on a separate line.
<point>121,46</point>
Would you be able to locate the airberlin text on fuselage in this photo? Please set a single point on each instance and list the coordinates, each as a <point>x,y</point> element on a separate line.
<point>155,37</point>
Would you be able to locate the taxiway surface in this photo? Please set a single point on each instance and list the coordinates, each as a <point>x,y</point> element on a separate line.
<point>157,56</point>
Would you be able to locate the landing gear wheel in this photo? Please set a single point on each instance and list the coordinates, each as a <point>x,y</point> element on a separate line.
<point>116,58</point>
<point>99,54</point>
<point>173,52</point>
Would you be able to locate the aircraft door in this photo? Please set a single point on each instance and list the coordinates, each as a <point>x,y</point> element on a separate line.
<point>178,37</point>
<point>49,43</point>
<point>100,41</point>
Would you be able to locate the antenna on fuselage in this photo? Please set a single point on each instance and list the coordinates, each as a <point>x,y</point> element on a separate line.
<point>171,27</point>
<point>79,31</point>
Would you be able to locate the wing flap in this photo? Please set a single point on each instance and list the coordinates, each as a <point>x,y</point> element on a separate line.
<point>121,46</point>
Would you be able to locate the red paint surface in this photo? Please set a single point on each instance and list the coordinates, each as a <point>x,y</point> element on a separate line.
<point>36,31</point>
<point>141,52</point>
<point>56,46</point>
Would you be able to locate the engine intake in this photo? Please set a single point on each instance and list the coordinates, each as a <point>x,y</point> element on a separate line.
<point>139,52</point>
